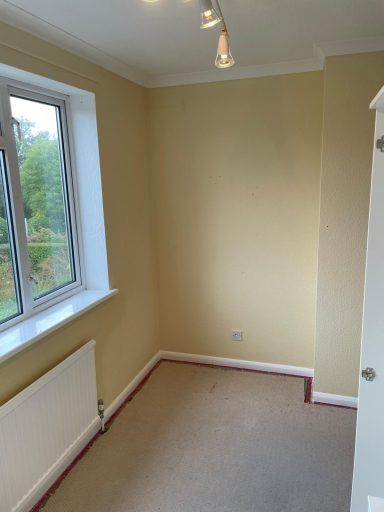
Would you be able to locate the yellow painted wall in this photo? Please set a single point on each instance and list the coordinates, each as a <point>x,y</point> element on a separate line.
<point>125,327</point>
<point>351,82</point>
<point>230,175</point>
<point>235,182</point>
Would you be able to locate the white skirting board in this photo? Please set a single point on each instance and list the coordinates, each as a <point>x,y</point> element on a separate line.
<point>194,358</point>
<point>182,357</point>
<point>238,363</point>
<point>331,399</point>
<point>119,400</point>
<point>59,468</point>
<point>325,398</point>
<point>70,455</point>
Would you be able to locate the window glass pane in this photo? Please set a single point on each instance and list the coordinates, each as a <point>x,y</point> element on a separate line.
<point>43,185</point>
<point>9,304</point>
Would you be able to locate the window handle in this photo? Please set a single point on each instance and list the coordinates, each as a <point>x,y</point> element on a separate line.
<point>15,122</point>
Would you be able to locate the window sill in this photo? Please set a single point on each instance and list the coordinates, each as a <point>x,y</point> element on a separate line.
<point>25,333</point>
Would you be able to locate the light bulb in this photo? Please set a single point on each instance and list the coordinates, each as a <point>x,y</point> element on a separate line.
<point>209,16</point>
<point>224,58</point>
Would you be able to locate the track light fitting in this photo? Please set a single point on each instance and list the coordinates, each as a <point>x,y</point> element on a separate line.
<point>224,57</point>
<point>209,18</point>
<point>209,15</point>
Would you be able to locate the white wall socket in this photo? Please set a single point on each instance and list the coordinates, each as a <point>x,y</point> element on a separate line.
<point>237,335</point>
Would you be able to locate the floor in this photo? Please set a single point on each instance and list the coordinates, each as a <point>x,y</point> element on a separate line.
<point>201,439</point>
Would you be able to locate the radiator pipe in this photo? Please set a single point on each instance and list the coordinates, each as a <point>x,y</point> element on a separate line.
<point>100,406</point>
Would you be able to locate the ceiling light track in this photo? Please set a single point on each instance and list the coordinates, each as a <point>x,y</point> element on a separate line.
<point>211,16</point>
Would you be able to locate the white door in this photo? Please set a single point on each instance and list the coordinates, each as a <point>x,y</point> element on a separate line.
<point>368,478</point>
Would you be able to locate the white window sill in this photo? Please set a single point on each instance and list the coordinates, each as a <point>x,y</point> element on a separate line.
<point>23,334</point>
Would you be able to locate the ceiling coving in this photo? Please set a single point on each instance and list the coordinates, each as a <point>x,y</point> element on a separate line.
<point>160,43</point>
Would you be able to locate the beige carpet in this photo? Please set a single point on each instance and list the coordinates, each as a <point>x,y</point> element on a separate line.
<point>198,439</point>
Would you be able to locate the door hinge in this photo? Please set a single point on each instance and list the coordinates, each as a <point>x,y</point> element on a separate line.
<point>368,374</point>
<point>380,144</point>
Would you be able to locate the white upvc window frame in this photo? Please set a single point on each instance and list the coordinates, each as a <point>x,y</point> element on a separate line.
<point>84,152</point>
<point>29,305</point>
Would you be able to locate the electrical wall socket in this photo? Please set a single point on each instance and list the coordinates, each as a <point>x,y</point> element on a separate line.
<point>237,335</point>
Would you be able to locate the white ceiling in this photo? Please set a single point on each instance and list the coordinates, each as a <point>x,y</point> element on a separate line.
<point>161,43</point>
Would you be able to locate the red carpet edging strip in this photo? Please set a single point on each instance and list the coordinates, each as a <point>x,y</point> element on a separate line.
<point>308,382</point>
<point>51,491</point>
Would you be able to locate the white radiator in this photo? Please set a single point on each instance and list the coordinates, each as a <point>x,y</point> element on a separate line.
<point>44,427</point>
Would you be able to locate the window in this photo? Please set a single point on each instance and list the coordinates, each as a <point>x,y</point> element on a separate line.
<point>53,253</point>
<point>39,253</point>
<point>10,298</point>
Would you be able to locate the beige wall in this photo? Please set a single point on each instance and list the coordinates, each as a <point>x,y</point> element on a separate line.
<point>236,180</point>
<point>351,82</point>
<point>125,327</point>
<point>234,172</point>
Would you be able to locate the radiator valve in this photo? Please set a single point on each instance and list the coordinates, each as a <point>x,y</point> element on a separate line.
<point>100,406</point>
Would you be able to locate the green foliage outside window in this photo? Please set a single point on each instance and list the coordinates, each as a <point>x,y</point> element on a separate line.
<point>39,161</point>
<point>3,231</point>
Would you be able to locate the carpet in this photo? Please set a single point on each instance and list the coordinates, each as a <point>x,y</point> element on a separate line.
<point>201,439</point>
